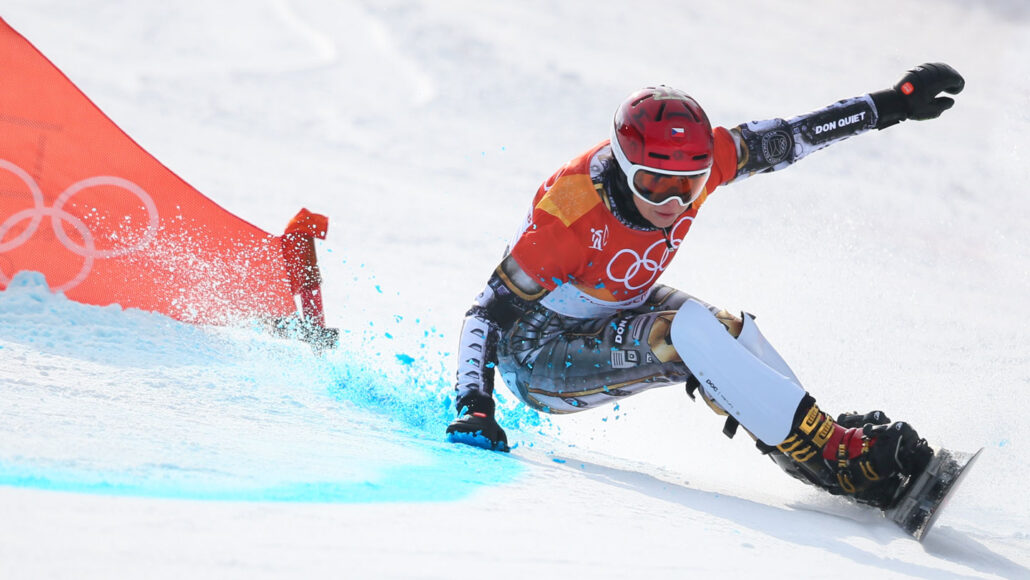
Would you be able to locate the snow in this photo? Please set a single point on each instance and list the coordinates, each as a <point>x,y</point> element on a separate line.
<point>891,271</point>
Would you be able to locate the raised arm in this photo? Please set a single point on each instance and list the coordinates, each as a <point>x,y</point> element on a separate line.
<point>764,146</point>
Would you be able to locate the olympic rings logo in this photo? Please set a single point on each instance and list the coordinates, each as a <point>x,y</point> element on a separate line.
<point>648,263</point>
<point>59,216</point>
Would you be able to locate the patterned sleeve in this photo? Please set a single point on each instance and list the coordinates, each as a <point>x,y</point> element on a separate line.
<point>771,145</point>
<point>509,295</point>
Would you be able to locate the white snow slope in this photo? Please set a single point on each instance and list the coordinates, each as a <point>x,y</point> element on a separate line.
<point>890,270</point>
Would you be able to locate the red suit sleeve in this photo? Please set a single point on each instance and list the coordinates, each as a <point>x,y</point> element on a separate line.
<point>724,168</point>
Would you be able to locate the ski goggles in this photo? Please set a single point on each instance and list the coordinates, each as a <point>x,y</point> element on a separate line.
<point>658,187</point>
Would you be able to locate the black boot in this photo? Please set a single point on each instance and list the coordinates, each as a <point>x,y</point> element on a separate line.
<point>860,456</point>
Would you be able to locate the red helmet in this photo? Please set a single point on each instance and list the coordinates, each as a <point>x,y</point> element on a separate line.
<point>663,142</point>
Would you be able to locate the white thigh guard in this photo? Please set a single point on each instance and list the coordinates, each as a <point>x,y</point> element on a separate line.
<point>745,376</point>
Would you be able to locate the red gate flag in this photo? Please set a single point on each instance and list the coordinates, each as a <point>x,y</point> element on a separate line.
<point>106,223</point>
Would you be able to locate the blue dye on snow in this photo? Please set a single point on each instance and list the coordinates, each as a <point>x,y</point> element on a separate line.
<point>285,427</point>
<point>452,473</point>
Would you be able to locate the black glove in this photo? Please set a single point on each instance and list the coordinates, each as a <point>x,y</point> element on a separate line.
<point>476,425</point>
<point>915,95</point>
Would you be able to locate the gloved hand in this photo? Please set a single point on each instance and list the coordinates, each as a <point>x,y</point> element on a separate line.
<point>476,424</point>
<point>915,95</point>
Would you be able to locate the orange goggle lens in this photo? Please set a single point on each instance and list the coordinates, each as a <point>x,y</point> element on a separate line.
<point>658,188</point>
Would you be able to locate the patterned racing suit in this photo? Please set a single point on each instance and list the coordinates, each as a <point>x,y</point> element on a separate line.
<point>573,316</point>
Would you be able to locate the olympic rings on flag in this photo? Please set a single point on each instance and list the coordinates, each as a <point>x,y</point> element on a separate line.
<point>58,216</point>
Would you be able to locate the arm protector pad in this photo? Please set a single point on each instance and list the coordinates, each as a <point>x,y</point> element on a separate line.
<point>509,294</point>
<point>764,146</point>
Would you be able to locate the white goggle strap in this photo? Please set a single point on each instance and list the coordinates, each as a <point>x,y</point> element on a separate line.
<point>630,169</point>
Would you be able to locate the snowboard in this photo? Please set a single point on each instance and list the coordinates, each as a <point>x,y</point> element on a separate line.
<point>927,496</point>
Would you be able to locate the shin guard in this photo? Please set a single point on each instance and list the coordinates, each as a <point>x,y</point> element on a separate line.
<point>745,376</point>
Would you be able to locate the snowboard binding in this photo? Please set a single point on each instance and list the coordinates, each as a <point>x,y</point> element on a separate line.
<point>875,462</point>
<point>865,457</point>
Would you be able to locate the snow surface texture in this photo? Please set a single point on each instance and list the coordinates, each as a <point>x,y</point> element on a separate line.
<point>891,271</point>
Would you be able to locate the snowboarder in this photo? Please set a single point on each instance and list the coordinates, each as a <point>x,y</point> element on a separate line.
<point>574,318</point>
